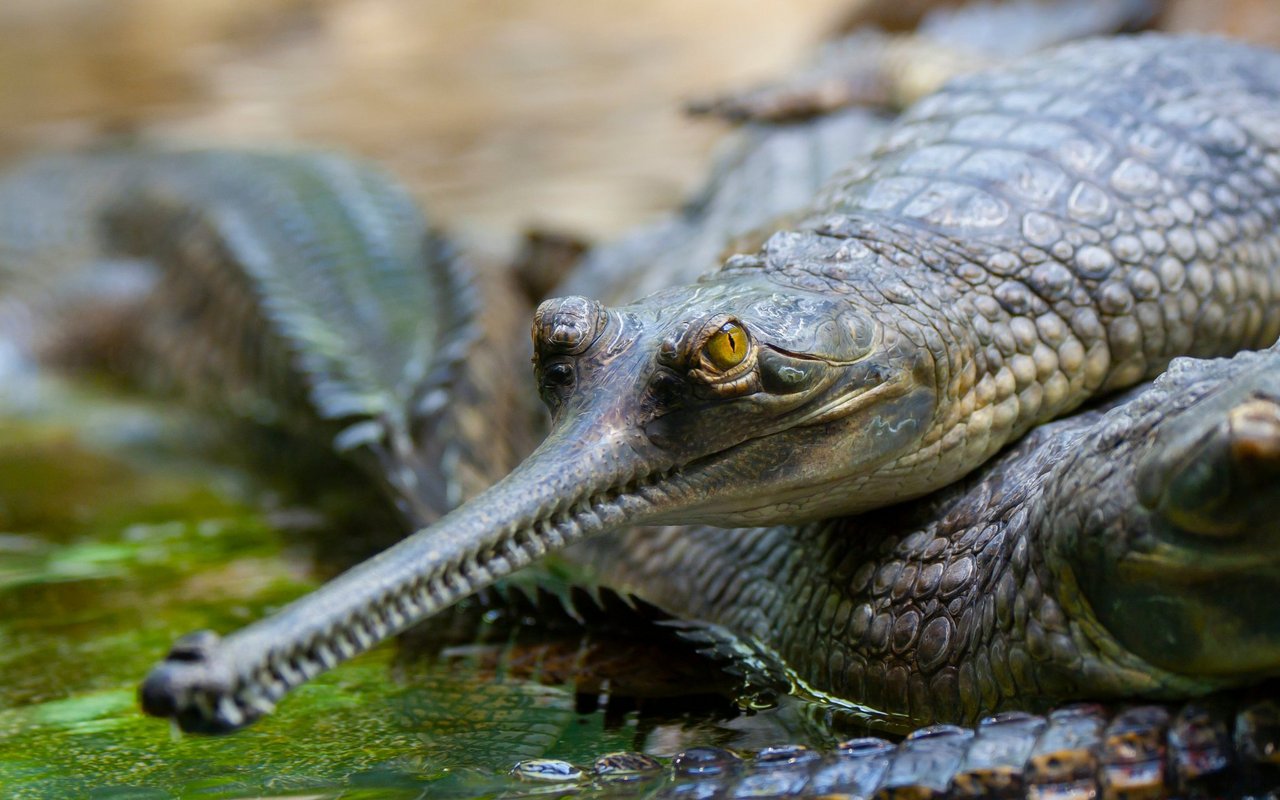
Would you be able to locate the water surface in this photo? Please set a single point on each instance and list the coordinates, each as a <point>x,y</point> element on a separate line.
<point>125,523</point>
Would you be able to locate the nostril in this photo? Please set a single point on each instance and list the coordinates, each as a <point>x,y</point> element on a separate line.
<point>193,647</point>
<point>157,695</point>
<point>189,685</point>
<point>558,375</point>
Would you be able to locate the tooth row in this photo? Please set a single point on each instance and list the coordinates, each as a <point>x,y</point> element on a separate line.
<point>520,546</point>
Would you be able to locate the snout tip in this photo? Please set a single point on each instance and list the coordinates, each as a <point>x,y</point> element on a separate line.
<point>192,689</point>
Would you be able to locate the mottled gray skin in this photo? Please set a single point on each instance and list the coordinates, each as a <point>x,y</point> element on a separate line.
<point>1114,554</point>
<point>1023,241</point>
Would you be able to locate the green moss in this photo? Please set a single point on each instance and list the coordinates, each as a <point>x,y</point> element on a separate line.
<point>114,541</point>
<point>117,536</point>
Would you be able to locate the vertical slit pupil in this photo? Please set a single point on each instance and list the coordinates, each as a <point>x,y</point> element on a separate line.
<point>727,348</point>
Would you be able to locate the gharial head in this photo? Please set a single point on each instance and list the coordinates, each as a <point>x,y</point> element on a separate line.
<point>731,402</point>
<point>742,402</point>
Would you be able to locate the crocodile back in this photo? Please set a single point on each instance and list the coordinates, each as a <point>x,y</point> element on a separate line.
<point>1045,234</point>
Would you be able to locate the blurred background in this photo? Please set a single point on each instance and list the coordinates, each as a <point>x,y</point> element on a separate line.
<point>500,114</point>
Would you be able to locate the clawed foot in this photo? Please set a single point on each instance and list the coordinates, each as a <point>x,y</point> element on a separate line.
<point>796,101</point>
<point>869,68</point>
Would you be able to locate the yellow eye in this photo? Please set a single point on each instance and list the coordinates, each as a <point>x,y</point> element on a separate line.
<point>727,347</point>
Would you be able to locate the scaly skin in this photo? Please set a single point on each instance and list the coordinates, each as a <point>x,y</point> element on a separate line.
<point>1224,745</point>
<point>1116,554</point>
<point>1023,241</point>
<point>1200,750</point>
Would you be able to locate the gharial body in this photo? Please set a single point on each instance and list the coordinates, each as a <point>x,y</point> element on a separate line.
<point>1121,553</point>
<point>1021,242</point>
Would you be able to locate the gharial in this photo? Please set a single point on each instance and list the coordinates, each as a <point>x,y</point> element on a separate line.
<point>1021,242</point>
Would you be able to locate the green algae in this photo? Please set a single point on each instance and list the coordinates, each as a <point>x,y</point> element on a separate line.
<point>121,528</point>
<point>113,545</point>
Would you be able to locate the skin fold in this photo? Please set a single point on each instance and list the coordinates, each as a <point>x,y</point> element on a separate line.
<point>1021,242</point>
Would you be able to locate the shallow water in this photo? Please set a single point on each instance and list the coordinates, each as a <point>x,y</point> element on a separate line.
<point>121,528</point>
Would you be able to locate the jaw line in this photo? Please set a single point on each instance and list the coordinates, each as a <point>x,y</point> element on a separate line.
<point>240,678</point>
<point>840,406</point>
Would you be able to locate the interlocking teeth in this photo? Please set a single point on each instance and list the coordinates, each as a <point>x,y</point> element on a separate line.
<point>343,646</point>
<point>262,705</point>
<point>389,614</point>
<point>229,711</point>
<point>363,637</point>
<point>393,615</point>
<point>478,572</point>
<point>287,673</point>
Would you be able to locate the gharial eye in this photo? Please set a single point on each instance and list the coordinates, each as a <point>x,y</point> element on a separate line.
<point>727,347</point>
<point>557,375</point>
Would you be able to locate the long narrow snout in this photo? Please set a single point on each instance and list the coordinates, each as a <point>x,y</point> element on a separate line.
<point>678,409</point>
<point>576,484</point>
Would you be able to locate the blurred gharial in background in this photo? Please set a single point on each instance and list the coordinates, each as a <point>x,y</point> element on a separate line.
<point>499,114</point>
